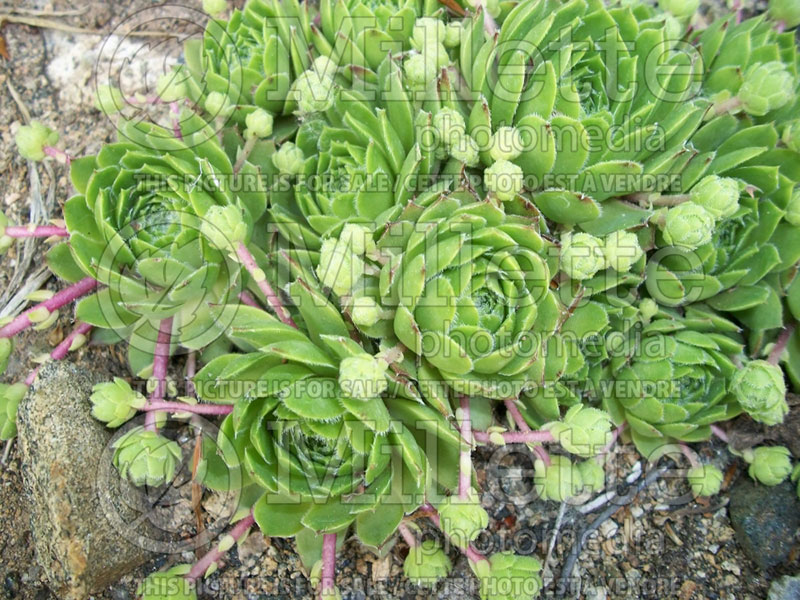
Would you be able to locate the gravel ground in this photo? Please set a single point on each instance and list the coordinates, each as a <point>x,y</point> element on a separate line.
<point>643,550</point>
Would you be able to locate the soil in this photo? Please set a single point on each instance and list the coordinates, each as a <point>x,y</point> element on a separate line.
<point>646,549</point>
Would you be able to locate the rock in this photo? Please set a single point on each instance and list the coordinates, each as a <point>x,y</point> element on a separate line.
<point>785,588</point>
<point>80,550</point>
<point>765,520</point>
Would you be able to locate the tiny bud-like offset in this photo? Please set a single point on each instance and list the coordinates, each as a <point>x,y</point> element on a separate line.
<point>770,465</point>
<point>145,457</point>
<point>115,403</point>
<point>592,474</point>
<point>766,87</point>
<point>559,481</point>
<point>365,312</point>
<point>31,140</point>
<point>426,564</point>
<point>581,255</point>
<point>168,585</point>
<point>420,69</point>
<point>509,576</point>
<point>504,179</point>
<point>464,149</point>
<point>791,135</point>
<point>506,144</point>
<point>363,377</point>
<point>171,87</point>
<point>339,267</point>
<point>218,105</point>
<point>313,92</point>
<point>463,519</point>
<point>584,431</point>
<point>10,397</point>
<point>214,7</point>
<point>258,123</point>
<point>452,34</point>
<point>224,227</point>
<point>622,250</point>
<point>109,99</point>
<point>648,308</point>
<point>325,66</point>
<point>450,126</point>
<point>760,389</point>
<point>792,215</point>
<point>688,225</point>
<point>681,9</point>
<point>428,33</point>
<point>718,195</point>
<point>289,159</point>
<point>785,11</point>
<point>706,480</point>
<point>357,239</point>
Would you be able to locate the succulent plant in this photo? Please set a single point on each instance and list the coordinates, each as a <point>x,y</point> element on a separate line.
<point>32,139</point>
<point>670,377</point>
<point>706,480</point>
<point>766,87</point>
<point>584,431</point>
<point>559,481</point>
<point>509,576</point>
<point>785,11</point>
<point>140,226</point>
<point>145,457</point>
<point>769,465</point>
<point>114,403</point>
<point>463,518</point>
<point>469,287</point>
<point>760,389</point>
<point>320,433</point>
<point>426,564</point>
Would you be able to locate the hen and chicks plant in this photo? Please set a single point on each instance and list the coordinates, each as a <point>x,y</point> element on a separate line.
<point>376,225</point>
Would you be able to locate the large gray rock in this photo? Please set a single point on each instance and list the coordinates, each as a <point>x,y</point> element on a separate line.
<point>765,520</point>
<point>785,588</point>
<point>80,549</point>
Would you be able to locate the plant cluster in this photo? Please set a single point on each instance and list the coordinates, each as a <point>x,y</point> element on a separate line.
<point>388,232</point>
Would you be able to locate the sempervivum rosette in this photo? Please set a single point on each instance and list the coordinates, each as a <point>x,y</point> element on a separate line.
<point>469,285</point>
<point>537,133</point>
<point>135,227</point>
<point>362,157</point>
<point>252,58</point>
<point>316,427</point>
<point>669,379</point>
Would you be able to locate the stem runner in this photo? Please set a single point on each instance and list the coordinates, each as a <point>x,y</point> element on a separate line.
<point>780,345</point>
<point>197,409</point>
<point>690,456</point>
<point>160,363</point>
<point>199,569</point>
<point>720,433</point>
<point>465,459</point>
<point>328,579</point>
<point>40,231</point>
<point>60,351</point>
<point>408,537</point>
<point>516,437</point>
<point>65,296</point>
<point>260,278</point>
